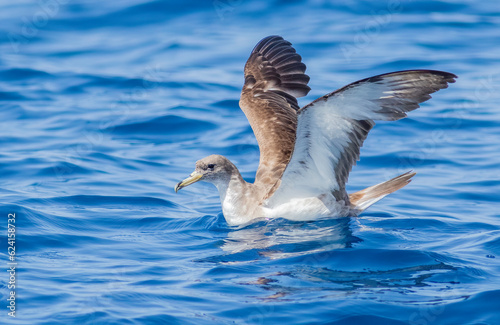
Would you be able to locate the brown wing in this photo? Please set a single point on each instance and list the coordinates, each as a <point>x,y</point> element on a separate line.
<point>274,77</point>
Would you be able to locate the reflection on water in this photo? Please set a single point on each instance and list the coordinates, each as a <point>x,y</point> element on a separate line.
<point>301,259</point>
<point>397,285</point>
<point>283,239</point>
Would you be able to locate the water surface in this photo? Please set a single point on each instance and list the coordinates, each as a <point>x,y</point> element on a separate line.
<point>106,105</point>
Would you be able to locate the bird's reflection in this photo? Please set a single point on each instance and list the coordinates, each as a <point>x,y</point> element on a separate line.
<point>300,254</point>
<point>279,238</point>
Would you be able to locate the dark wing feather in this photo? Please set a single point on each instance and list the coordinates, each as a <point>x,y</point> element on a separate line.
<point>274,77</point>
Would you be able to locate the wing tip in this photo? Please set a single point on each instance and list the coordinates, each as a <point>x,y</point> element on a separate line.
<point>274,59</point>
<point>447,76</point>
<point>266,41</point>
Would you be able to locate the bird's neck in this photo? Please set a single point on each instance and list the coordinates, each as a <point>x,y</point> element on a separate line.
<point>231,188</point>
<point>234,192</point>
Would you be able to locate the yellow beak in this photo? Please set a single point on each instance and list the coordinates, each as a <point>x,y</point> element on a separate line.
<point>193,178</point>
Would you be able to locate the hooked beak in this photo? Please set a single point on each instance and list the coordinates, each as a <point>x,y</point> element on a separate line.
<point>193,178</point>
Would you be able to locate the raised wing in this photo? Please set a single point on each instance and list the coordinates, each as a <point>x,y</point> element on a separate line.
<point>332,128</point>
<point>274,77</point>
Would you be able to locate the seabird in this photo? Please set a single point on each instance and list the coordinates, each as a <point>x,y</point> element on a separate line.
<point>306,153</point>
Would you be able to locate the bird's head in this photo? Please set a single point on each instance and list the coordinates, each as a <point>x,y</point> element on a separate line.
<point>213,169</point>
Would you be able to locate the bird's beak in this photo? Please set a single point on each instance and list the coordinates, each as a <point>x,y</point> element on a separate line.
<point>193,178</point>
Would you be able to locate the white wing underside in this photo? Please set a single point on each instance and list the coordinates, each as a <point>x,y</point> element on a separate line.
<point>332,129</point>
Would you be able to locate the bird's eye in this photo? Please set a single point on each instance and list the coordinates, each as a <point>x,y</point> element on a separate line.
<point>211,166</point>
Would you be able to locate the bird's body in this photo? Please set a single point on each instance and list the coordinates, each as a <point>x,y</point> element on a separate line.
<point>306,153</point>
<point>240,200</point>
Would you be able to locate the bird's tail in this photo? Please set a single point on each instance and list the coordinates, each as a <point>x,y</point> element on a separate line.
<point>364,198</point>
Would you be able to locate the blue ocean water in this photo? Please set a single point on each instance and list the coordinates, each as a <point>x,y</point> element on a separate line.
<point>105,106</point>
